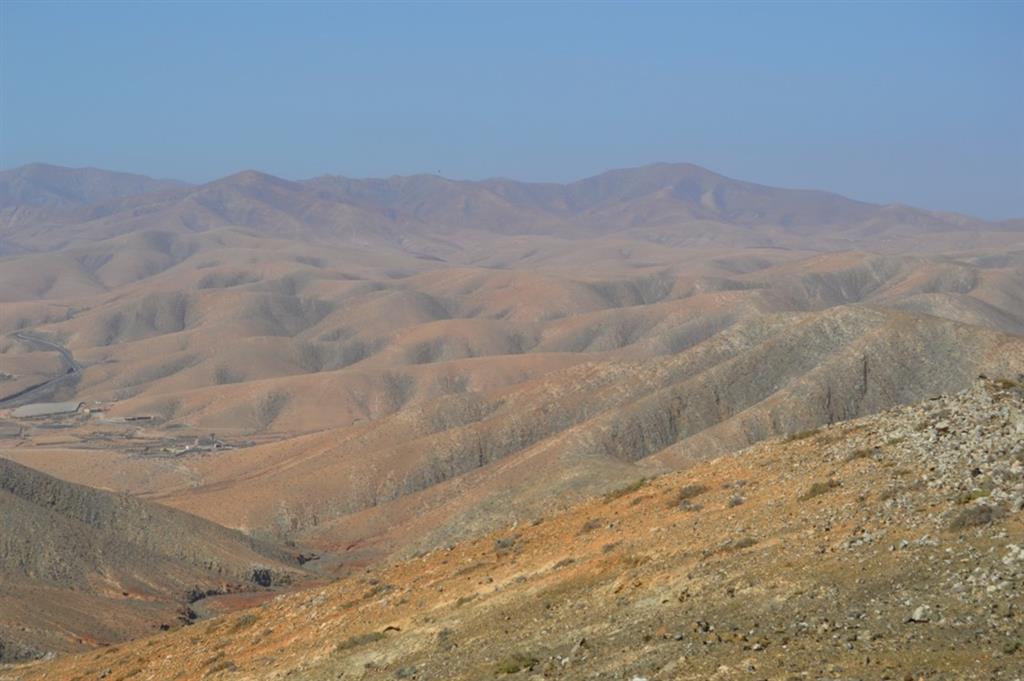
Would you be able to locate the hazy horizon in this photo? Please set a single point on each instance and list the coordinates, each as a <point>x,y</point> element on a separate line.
<point>503,177</point>
<point>915,104</point>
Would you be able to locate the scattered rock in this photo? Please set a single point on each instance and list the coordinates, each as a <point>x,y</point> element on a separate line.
<point>921,614</point>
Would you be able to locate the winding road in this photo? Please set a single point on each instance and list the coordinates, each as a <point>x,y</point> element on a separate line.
<point>72,370</point>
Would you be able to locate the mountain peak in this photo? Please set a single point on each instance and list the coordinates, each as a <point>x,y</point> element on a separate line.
<point>250,177</point>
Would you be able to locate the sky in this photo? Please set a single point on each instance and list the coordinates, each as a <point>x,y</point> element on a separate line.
<point>919,103</point>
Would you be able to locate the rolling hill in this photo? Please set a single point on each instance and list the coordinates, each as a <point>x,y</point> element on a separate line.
<point>375,368</point>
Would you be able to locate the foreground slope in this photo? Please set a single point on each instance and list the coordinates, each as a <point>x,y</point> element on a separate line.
<point>81,566</point>
<point>887,547</point>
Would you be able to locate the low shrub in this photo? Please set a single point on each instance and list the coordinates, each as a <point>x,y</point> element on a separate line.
<point>624,490</point>
<point>733,545</point>
<point>516,663</point>
<point>244,622</point>
<point>862,453</point>
<point>222,666</point>
<point>358,640</point>
<point>686,493</point>
<point>504,544</point>
<point>801,435</point>
<point>819,488</point>
<point>974,516</point>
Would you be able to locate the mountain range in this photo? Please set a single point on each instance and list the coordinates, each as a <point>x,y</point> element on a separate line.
<point>366,370</point>
<point>677,201</point>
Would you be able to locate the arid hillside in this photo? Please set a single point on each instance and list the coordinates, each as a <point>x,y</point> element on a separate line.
<point>370,369</point>
<point>82,567</point>
<point>885,547</point>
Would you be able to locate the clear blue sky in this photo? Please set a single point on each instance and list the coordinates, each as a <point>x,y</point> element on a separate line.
<point>921,103</point>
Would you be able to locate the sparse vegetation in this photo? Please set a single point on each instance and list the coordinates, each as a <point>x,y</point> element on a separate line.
<point>426,352</point>
<point>310,260</point>
<point>686,493</point>
<point>974,494</point>
<point>157,371</point>
<point>819,488</point>
<point>378,590</point>
<point>224,375</point>
<point>396,389</point>
<point>860,453</point>
<point>221,666</point>
<point>216,280</point>
<point>591,525</point>
<point>504,544</point>
<point>516,662</point>
<point>889,493</point>
<point>736,544</point>
<point>358,640</point>
<point>801,435</point>
<point>625,489</point>
<point>451,384</point>
<point>266,409</point>
<point>243,622</point>
<point>310,356</point>
<point>975,515</point>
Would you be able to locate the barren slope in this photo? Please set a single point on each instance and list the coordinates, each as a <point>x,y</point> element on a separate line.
<point>80,566</point>
<point>884,547</point>
<point>379,367</point>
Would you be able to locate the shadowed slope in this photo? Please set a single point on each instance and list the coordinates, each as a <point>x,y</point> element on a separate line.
<point>80,564</point>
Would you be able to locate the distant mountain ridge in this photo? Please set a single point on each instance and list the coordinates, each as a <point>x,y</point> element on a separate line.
<point>41,184</point>
<point>660,196</point>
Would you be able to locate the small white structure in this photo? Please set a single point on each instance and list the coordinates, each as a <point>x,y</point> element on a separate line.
<point>41,409</point>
